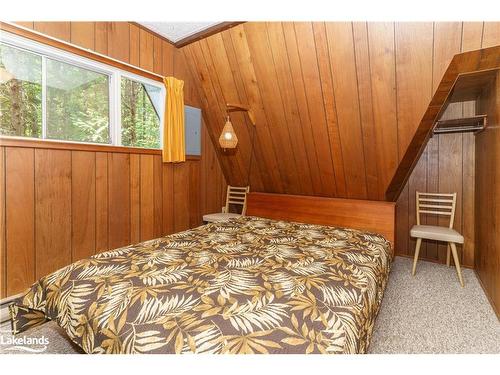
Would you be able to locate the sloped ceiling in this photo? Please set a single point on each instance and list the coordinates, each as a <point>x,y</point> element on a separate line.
<point>336,104</point>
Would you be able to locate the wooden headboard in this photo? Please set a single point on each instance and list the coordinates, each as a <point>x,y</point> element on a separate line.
<point>372,216</point>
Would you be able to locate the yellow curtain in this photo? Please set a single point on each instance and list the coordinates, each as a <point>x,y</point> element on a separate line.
<point>174,148</point>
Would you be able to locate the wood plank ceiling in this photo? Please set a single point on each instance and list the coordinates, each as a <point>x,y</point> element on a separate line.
<point>336,104</point>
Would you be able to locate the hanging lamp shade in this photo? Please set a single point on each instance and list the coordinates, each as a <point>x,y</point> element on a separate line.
<point>228,138</point>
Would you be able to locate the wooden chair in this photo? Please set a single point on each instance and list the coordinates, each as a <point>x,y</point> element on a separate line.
<point>236,195</point>
<point>443,205</point>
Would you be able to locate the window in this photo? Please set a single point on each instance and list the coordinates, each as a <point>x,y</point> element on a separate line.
<point>140,105</point>
<point>77,103</point>
<point>20,93</point>
<point>52,94</point>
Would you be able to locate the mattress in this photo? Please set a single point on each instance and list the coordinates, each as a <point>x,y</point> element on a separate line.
<point>248,285</point>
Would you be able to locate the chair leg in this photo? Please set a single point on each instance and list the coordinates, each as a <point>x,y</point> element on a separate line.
<point>417,251</point>
<point>448,251</point>
<point>457,264</point>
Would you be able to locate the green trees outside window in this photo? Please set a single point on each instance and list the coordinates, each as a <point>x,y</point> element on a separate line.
<point>140,121</point>
<point>20,93</point>
<point>77,103</point>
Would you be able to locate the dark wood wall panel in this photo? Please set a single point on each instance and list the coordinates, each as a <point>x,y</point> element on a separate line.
<point>168,198</point>
<point>491,34</point>
<point>101,37</point>
<point>339,45</point>
<point>118,200</point>
<point>52,210</point>
<point>320,129</point>
<point>337,105</point>
<point>487,255</point>
<point>101,202</point>
<point>59,30</point>
<point>20,217</point>
<point>83,34</point>
<point>383,82</point>
<point>146,55</point>
<point>194,194</point>
<point>119,40</point>
<point>158,196</point>
<point>331,116</point>
<point>181,197</point>
<point>211,178</point>
<point>135,198</point>
<point>147,197</point>
<point>302,127</point>
<point>83,204</point>
<point>360,36</point>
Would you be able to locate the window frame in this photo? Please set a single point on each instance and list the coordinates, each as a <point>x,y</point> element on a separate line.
<point>114,85</point>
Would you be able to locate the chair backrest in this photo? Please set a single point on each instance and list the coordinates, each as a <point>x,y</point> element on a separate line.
<point>442,204</point>
<point>237,195</point>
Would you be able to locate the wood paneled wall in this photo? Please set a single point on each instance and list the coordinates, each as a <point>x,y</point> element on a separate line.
<point>488,197</point>
<point>62,205</point>
<point>336,106</point>
<point>448,162</point>
<point>65,205</point>
<point>336,103</point>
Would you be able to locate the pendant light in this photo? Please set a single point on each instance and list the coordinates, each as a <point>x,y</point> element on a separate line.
<point>228,138</point>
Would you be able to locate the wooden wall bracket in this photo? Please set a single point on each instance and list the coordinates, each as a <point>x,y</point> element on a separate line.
<point>234,107</point>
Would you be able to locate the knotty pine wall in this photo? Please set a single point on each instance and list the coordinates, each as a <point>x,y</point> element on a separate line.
<point>487,221</point>
<point>63,205</point>
<point>336,106</point>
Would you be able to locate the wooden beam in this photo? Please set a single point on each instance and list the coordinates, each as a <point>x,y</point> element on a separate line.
<point>231,107</point>
<point>236,107</point>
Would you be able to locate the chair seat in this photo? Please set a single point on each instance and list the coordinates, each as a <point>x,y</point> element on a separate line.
<point>220,216</point>
<point>430,232</point>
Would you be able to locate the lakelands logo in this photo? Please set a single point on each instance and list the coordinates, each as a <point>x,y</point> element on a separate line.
<point>23,343</point>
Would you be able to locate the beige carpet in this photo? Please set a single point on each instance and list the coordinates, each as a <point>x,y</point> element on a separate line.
<point>432,313</point>
<point>428,313</point>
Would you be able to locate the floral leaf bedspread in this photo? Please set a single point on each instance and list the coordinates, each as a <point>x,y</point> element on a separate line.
<point>249,285</point>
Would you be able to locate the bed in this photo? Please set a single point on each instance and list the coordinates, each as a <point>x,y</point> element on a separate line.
<point>297,275</point>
